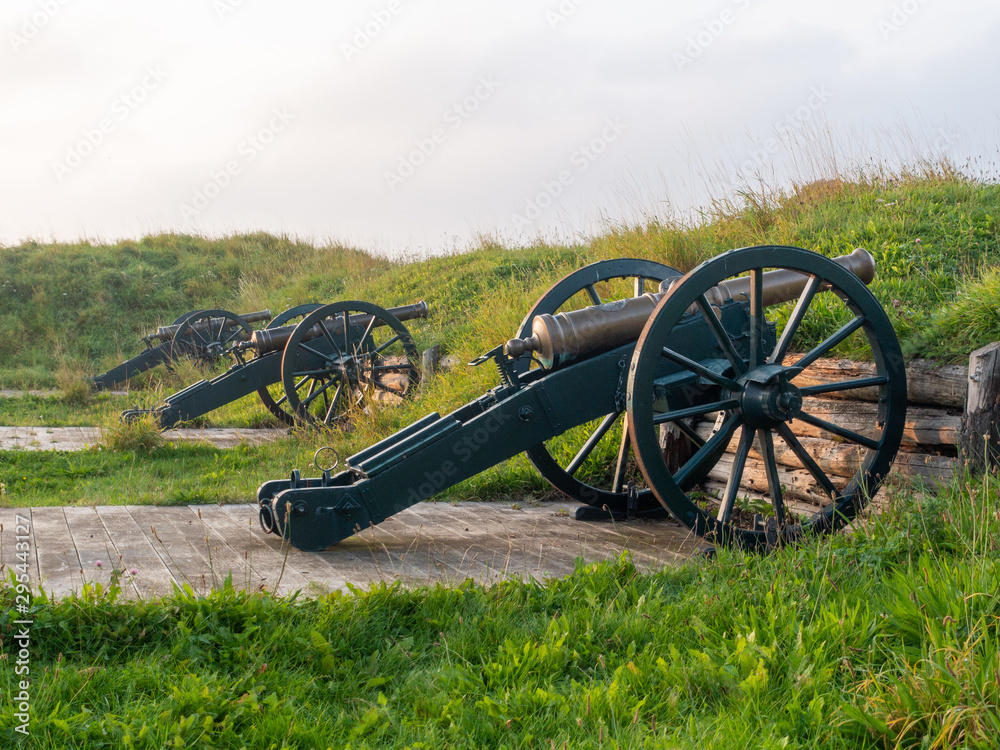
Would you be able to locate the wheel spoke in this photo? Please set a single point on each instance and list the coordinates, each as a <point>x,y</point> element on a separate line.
<point>838,430</point>
<point>347,331</point>
<point>735,475</point>
<point>807,460</point>
<point>640,286</point>
<point>382,386</point>
<point>328,336</point>
<point>795,319</point>
<point>756,317</point>
<point>235,334</point>
<point>773,481</point>
<point>333,403</point>
<point>619,481</point>
<point>695,411</point>
<point>689,432</point>
<point>315,393</point>
<point>591,443</point>
<point>843,385</point>
<point>592,293</point>
<point>385,346</point>
<point>312,373</point>
<point>690,364</point>
<point>369,329</point>
<point>720,333</point>
<point>831,342</point>
<point>694,465</point>
<point>198,333</point>
<point>314,352</point>
<point>312,387</point>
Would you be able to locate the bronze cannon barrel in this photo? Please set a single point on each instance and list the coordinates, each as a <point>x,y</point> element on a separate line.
<point>274,339</point>
<point>166,333</point>
<point>602,327</point>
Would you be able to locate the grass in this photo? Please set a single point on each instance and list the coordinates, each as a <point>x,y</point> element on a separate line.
<point>883,638</point>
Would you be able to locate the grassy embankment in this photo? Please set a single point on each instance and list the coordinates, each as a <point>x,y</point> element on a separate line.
<point>66,311</point>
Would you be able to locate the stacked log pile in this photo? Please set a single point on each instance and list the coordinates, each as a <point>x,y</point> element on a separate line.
<point>931,439</point>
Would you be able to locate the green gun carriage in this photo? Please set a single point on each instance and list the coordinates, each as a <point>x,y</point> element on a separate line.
<point>205,336</point>
<point>629,405</point>
<point>331,362</point>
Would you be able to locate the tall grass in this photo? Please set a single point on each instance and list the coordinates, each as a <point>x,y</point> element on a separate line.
<point>885,638</point>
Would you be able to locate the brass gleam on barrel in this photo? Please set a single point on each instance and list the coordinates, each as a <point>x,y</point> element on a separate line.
<point>165,333</point>
<point>602,327</point>
<point>274,339</point>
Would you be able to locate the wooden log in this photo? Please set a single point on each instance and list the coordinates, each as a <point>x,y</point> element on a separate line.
<point>926,382</point>
<point>980,438</point>
<point>394,384</point>
<point>923,425</point>
<point>843,459</point>
<point>429,361</point>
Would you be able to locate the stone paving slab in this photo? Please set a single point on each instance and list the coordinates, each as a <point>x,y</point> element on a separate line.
<point>81,438</point>
<point>202,545</point>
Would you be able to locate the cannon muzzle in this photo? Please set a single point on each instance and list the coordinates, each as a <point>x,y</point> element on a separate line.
<point>274,339</point>
<point>166,333</point>
<point>570,335</point>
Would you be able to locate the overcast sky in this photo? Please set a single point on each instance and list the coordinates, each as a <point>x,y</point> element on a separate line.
<point>416,125</point>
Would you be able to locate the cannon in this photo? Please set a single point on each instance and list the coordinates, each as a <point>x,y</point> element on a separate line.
<point>627,405</point>
<point>202,335</point>
<point>336,358</point>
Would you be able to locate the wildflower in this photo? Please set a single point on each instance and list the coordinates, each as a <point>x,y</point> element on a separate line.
<point>134,571</point>
<point>99,563</point>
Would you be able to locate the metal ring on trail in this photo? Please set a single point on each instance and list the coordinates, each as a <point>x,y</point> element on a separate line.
<point>331,467</point>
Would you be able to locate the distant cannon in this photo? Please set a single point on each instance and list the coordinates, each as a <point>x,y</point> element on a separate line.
<point>337,358</point>
<point>628,405</point>
<point>202,335</point>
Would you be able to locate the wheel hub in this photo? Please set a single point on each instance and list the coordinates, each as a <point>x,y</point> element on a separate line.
<point>768,397</point>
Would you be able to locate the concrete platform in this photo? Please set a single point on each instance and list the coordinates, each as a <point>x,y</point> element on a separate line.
<point>200,545</point>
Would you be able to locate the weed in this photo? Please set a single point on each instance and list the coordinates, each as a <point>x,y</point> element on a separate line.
<point>138,435</point>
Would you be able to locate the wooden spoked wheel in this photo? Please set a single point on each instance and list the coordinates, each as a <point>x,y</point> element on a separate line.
<point>591,463</point>
<point>754,407</point>
<point>208,335</point>
<point>344,357</point>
